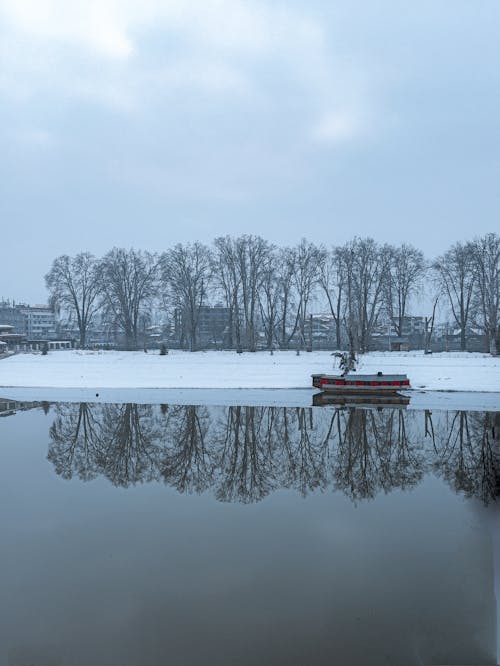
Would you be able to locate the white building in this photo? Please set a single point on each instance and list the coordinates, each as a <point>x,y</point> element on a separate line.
<point>40,322</point>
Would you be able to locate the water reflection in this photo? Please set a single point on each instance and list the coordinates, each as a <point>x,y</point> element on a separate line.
<point>241,454</point>
<point>94,576</point>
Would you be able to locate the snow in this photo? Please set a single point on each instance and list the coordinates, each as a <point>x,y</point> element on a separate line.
<point>228,370</point>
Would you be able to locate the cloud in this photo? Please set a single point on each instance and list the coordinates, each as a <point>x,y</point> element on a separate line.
<point>216,76</point>
<point>338,127</point>
<point>102,50</point>
<point>94,25</point>
<point>112,28</point>
<point>160,80</point>
<point>34,137</point>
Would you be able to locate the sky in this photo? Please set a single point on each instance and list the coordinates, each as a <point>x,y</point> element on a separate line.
<point>150,122</point>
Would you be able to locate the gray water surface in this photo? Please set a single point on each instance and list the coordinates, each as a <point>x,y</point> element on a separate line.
<point>177,534</point>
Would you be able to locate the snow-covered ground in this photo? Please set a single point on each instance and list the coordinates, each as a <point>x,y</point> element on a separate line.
<point>228,370</point>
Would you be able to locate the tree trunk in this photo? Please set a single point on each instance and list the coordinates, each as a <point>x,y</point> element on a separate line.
<point>493,344</point>
<point>463,346</point>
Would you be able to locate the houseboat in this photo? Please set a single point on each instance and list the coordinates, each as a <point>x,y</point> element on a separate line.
<point>354,384</point>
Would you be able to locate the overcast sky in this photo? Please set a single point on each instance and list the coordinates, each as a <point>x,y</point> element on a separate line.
<point>148,122</point>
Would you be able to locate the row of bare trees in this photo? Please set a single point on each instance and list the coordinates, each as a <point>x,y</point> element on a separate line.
<point>468,276</point>
<point>271,290</point>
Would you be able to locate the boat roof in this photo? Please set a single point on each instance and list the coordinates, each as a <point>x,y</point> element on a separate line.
<point>364,378</point>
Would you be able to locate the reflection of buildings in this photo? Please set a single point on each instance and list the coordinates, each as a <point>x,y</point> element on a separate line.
<point>10,407</point>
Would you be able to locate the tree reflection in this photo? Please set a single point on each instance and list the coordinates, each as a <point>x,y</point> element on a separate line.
<point>187,464</point>
<point>132,448</point>
<point>469,456</point>
<point>245,453</point>
<point>305,452</point>
<point>117,441</point>
<point>76,441</point>
<point>376,453</point>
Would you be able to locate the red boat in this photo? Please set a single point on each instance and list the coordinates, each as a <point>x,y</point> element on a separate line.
<point>361,384</point>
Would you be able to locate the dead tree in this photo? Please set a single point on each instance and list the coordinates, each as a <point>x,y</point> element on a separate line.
<point>129,283</point>
<point>253,255</point>
<point>308,260</point>
<point>269,301</point>
<point>186,275</point>
<point>333,280</point>
<point>455,277</point>
<point>366,266</point>
<point>288,313</point>
<point>405,270</point>
<point>486,257</point>
<point>227,282</point>
<point>74,286</point>
<point>429,326</point>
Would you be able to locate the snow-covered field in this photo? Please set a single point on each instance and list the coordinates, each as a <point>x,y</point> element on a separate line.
<point>228,370</point>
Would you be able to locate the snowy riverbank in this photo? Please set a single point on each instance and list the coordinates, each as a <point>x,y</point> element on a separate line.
<point>228,370</point>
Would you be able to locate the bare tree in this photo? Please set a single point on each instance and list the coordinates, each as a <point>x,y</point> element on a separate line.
<point>129,283</point>
<point>186,275</point>
<point>366,266</point>
<point>74,285</point>
<point>333,280</point>
<point>288,314</point>
<point>254,254</point>
<point>455,277</point>
<point>228,279</point>
<point>243,264</point>
<point>308,262</point>
<point>405,270</point>
<point>486,257</point>
<point>429,326</point>
<point>269,300</point>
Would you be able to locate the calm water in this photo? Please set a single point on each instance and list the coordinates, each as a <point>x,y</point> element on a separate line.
<point>163,534</point>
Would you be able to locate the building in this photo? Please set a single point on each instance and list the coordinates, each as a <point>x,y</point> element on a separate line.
<point>323,331</point>
<point>9,339</point>
<point>413,326</point>
<point>386,338</point>
<point>11,315</point>
<point>213,324</point>
<point>447,337</point>
<point>35,322</point>
<point>40,322</point>
<point>29,328</point>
